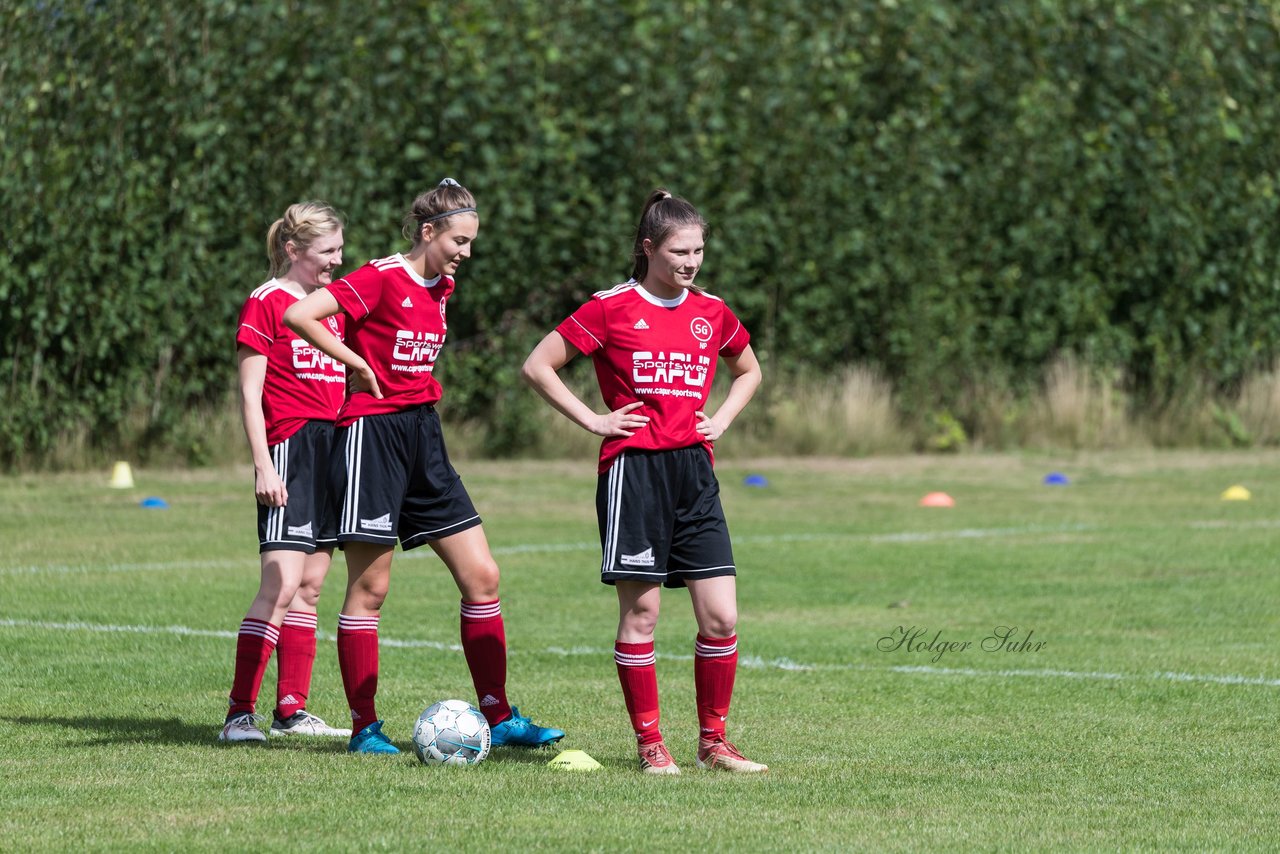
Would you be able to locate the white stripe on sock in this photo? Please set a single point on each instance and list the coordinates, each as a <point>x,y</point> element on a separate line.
<point>300,619</point>
<point>706,650</point>
<point>257,628</point>
<point>486,611</point>
<point>349,623</point>
<point>629,659</point>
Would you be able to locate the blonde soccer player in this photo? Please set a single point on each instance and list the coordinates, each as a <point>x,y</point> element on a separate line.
<point>290,394</point>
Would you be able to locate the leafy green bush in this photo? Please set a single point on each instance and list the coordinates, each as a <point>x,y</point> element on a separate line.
<point>954,192</point>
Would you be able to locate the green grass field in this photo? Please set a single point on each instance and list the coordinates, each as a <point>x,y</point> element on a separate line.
<point>1145,718</point>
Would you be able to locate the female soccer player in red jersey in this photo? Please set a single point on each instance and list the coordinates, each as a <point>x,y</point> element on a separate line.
<point>392,476</point>
<point>290,394</point>
<point>655,341</point>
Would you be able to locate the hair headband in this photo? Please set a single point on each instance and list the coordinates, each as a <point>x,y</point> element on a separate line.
<point>447,213</point>
<point>446,182</point>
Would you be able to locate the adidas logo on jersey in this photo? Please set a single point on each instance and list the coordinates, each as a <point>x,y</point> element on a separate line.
<point>640,324</point>
<point>644,558</point>
<point>489,700</point>
<point>382,523</point>
<point>300,531</point>
<point>408,303</point>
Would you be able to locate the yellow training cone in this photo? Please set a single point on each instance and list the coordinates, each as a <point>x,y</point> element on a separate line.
<point>574,760</point>
<point>121,476</point>
<point>1236,493</point>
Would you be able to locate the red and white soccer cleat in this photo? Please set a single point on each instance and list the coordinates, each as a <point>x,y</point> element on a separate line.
<point>656,759</point>
<point>720,755</point>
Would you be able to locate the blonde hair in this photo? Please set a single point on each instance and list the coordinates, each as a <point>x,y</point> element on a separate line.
<point>302,223</point>
<point>437,206</point>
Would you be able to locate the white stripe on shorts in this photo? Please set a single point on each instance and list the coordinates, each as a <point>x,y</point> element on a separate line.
<point>613,510</point>
<point>275,515</point>
<point>351,501</point>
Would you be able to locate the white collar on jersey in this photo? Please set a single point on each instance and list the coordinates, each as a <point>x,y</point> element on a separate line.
<point>408,268</point>
<point>659,301</point>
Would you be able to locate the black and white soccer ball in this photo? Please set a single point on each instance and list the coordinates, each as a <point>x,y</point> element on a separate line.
<point>451,732</point>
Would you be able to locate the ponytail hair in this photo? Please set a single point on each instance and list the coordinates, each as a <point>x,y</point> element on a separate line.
<point>663,213</point>
<point>437,206</point>
<point>302,223</point>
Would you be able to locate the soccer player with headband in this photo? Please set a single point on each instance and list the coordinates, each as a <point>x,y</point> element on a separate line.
<point>391,472</point>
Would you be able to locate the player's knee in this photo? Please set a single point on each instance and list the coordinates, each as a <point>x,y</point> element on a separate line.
<point>480,582</point>
<point>640,620</point>
<point>369,593</point>
<point>309,592</point>
<point>277,595</point>
<point>719,625</point>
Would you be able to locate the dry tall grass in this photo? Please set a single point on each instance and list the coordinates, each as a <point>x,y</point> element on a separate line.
<point>1259,406</point>
<point>1079,409</point>
<point>854,413</point>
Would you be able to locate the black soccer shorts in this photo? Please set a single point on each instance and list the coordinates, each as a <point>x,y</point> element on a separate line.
<point>391,479</point>
<point>306,522</point>
<point>660,519</point>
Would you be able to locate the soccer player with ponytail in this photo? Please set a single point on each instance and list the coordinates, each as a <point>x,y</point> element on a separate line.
<point>391,473</point>
<point>655,342</point>
<point>290,393</point>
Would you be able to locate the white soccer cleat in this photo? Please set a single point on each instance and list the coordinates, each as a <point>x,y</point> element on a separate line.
<point>722,756</point>
<point>241,728</point>
<point>303,722</point>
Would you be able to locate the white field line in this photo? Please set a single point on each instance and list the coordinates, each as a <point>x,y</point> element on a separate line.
<point>751,662</point>
<point>149,566</point>
<point>555,548</point>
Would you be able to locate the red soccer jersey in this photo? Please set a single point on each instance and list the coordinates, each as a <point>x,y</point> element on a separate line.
<point>660,352</point>
<point>397,324</point>
<point>302,383</point>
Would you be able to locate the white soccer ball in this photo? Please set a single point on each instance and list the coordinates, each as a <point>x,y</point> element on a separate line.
<point>451,732</point>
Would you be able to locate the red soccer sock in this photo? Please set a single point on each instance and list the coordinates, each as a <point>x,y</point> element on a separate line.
<point>358,660</point>
<point>253,649</point>
<point>715,662</point>
<point>295,656</point>
<point>484,643</point>
<point>638,673</point>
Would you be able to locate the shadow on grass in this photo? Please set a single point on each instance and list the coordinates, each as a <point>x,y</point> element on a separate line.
<point>523,755</point>
<point>97,730</point>
<point>94,730</point>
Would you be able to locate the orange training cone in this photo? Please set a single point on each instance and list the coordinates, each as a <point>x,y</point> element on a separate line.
<point>937,499</point>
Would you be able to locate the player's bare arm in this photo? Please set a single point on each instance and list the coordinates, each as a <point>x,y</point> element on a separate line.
<point>267,485</point>
<point>745,369</point>
<point>540,371</point>
<point>306,317</point>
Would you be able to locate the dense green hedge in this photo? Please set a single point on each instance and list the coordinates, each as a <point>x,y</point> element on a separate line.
<point>954,190</point>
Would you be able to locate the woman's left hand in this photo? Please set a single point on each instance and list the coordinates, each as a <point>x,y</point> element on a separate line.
<point>708,427</point>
